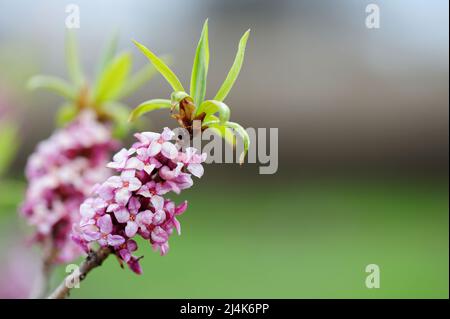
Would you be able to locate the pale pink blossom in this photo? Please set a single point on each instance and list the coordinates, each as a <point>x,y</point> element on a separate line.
<point>133,202</point>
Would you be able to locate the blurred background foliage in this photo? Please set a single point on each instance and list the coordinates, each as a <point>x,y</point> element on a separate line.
<point>363,141</point>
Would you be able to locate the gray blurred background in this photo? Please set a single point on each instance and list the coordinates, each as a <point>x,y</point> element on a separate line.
<point>341,95</point>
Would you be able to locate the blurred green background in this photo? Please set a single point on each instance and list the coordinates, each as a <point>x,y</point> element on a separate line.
<point>363,146</point>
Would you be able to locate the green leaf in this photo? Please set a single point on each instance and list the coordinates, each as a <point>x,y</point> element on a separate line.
<point>243,133</point>
<point>108,54</point>
<point>137,80</point>
<point>53,84</point>
<point>234,71</point>
<point>73,60</point>
<point>113,79</point>
<point>119,113</point>
<point>149,106</point>
<point>162,68</point>
<point>238,129</point>
<point>66,113</point>
<point>211,107</point>
<point>8,144</point>
<point>200,67</point>
<point>223,131</point>
<point>176,97</point>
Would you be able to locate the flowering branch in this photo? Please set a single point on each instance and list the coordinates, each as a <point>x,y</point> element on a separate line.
<point>93,260</point>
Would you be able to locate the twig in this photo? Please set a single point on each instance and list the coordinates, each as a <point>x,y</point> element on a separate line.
<point>93,260</point>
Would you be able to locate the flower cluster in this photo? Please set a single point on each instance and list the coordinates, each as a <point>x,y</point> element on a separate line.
<point>132,203</point>
<point>61,174</point>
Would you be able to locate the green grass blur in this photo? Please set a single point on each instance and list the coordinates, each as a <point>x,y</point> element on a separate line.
<point>311,239</point>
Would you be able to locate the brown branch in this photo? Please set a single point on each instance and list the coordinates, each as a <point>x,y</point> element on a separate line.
<point>93,260</point>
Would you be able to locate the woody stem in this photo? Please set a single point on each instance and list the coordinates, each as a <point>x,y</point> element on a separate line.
<point>93,260</point>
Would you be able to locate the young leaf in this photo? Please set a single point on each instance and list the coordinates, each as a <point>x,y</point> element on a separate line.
<point>243,133</point>
<point>200,67</point>
<point>211,107</point>
<point>235,69</point>
<point>162,68</point>
<point>108,54</point>
<point>149,106</point>
<point>52,83</point>
<point>239,130</point>
<point>137,80</point>
<point>113,79</point>
<point>223,131</point>
<point>176,97</point>
<point>73,60</point>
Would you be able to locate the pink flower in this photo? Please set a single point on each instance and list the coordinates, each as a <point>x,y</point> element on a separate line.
<point>101,231</point>
<point>132,204</point>
<point>126,250</point>
<point>61,174</point>
<point>159,143</point>
<point>124,185</point>
<point>193,161</point>
<point>134,218</point>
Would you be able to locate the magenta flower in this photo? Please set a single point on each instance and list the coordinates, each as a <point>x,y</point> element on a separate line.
<point>123,186</point>
<point>132,203</point>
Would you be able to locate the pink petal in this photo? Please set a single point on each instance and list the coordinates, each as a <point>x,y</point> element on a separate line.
<point>154,148</point>
<point>119,159</point>
<point>159,217</point>
<point>114,182</point>
<point>106,192</point>
<point>180,209</point>
<point>125,255</point>
<point>167,134</point>
<point>147,137</point>
<point>122,215</point>
<point>144,218</point>
<point>134,204</point>
<point>131,245</point>
<point>115,240</point>
<point>105,224</point>
<point>196,169</point>
<point>131,229</point>
<point>134,184</point>
<point>122,196</point>
<point>177,225</point>
<point>90,233</point>
<point>134,265</point>
<point>86,210</point>
<point>168,174</point>
<point>112,207</point>
<point>169,150</point>
<point>157,202</point>
<point>144,191</point>
<point>134,163</point>
<point>120,156</point>
<point>163,188</point>
<point>158,235</point>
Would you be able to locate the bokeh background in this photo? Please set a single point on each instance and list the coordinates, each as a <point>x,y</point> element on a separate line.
<point>363,145</point>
